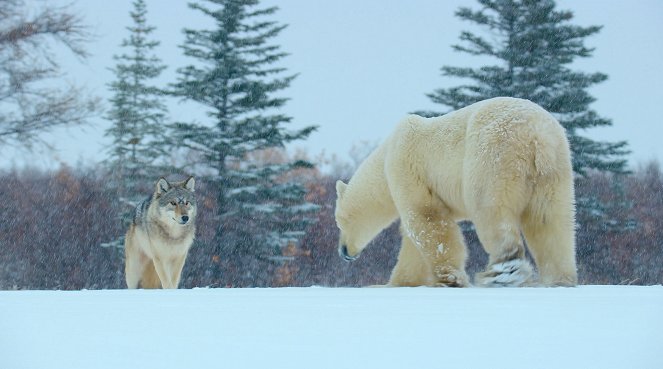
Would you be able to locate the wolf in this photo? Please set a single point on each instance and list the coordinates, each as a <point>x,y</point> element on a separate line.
<point>160,236</point>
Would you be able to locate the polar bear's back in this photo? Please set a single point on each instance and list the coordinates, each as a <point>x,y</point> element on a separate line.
<point>514,132</point>
<point>513,116</point>
<point>495,139</point>
<point>495,128</point>
<point>490,119</point>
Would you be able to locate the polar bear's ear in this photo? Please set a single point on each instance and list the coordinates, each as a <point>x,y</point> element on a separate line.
<point>340,188</point>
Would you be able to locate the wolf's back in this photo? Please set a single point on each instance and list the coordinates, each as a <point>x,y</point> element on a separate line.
<point>140,212</point>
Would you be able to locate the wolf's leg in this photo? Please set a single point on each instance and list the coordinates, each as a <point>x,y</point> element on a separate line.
<point>411,269</point>
<point>150,279</point>
<point>135,259</point>
<point>169,270</point>
<point>135,263</point>
<point>176,271</point>
<point>164,268</point>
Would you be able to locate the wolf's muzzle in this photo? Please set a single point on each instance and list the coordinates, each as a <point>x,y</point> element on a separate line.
<point>185,219</point>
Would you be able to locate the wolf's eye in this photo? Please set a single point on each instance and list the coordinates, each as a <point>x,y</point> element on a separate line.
<point>186,203</point>
<point>173,203</point>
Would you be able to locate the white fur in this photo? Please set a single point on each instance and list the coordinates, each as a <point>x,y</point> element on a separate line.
<point>503,163</point>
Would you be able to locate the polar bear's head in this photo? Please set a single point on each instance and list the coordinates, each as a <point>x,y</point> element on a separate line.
<point>353,237</point>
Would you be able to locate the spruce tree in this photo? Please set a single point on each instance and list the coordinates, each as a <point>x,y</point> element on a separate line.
<point>534,45</point>
<point>137,115</point>
<point>236,79</point>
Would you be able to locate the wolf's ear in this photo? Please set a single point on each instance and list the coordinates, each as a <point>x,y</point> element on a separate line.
<point>189,184</point>
<point>162,186</point>
<point>340,189</point>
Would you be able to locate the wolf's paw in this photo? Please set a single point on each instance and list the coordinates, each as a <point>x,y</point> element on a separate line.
<point>510,273</point>
<point>447,277</point>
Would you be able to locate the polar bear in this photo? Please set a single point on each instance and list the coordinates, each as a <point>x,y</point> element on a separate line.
<point>503,163</point>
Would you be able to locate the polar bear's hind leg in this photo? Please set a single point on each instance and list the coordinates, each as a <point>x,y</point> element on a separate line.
<point>549,228</point>
<point>507,263</point>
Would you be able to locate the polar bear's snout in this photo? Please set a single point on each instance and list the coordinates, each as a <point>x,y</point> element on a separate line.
<point>343,252</point>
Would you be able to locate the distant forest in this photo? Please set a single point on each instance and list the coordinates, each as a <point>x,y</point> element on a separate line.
<point>55,222</point>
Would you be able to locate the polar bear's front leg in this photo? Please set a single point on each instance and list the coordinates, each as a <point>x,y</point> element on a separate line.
<point>440,243</point>
<point>411,270</point>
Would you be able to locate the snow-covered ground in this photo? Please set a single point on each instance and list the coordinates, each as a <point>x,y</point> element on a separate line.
<point>585,327</point>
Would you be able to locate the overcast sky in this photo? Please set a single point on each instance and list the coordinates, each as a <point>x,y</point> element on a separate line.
<point>364,64</point>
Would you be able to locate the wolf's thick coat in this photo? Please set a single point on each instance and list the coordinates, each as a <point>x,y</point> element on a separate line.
<point>503,163</point>
<point>160,236</point>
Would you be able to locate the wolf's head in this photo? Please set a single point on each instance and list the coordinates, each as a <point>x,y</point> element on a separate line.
<point>176,201</point>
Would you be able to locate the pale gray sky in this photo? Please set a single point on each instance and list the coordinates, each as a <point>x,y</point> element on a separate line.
<point>365,64</point>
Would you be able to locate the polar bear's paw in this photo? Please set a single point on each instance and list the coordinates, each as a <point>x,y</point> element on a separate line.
<point>448,277</point>
<point>509,273</point>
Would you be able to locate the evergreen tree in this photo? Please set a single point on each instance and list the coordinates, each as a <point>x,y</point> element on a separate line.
<point>534,45</point>
<point>136,154</point>
<point>236,80</point>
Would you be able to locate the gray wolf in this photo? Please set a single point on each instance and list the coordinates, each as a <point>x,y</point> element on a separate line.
<point>160,236</point>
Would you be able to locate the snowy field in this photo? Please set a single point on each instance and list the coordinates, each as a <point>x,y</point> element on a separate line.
<point>410,328</point>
